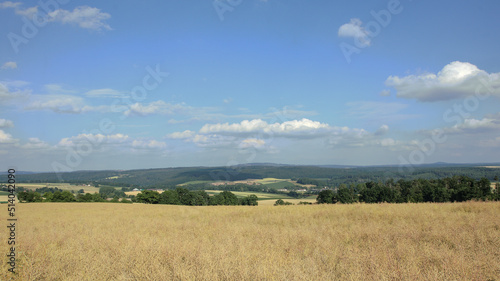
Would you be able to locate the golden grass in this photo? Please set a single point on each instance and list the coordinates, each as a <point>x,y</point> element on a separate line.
<point>62,186</point>
<point>293,201</point>
<point>103,241</point>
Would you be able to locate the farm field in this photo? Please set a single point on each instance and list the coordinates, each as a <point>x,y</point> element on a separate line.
<point>63,186</point>
<point>4,196</point>
<point>102,241</point>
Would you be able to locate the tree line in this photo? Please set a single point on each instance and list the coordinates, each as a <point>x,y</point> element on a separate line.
<point>183,196</point>
<point>451,189</point>
<point>46,194</point>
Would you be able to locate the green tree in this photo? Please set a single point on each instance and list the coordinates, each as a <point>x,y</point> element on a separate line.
<point>280,202</point>
<point>170,197</point>
<point>326,197</point>
<point>229,198</point>
<point>250,200</point>
<point>107,191</point>
<point>148,197</point>
<point>345,195</point>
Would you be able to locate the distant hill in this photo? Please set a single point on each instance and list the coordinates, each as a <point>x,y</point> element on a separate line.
<point>334,174</point>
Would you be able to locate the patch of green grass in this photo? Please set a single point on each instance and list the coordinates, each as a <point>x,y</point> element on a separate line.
<point>4,193</point>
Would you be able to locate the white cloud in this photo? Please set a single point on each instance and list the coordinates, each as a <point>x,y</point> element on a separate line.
<point>259,134</point>
<point>181,135</point>
<point>472,125</point>
<point>4,123</point>
<point>304,127</point>
<point>355,30</point>
<point>57,103</point>
<point>213,140</point>
<point>157,107</point>
<point>35,143</point>
<point>83,16</point>
<point>6,138</point>
<point>455,80</point>
<point>7,95</point>
<point>252,142</point>
<point>9,4</point>
<point>28,12</point>
<point>104,93</point>
<point>93,139</point>
<point>151,144</point>
<point>9,65</point>
<point>382,130</point>
<point>388,142</point>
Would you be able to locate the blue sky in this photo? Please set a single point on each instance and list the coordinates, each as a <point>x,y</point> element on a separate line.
<point>104,85</point>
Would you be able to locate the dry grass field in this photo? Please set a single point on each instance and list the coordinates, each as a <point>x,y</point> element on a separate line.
<point>62,186</point>
<point>103,241</point>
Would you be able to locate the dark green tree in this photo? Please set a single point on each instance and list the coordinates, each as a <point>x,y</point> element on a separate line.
<point>326,197</point>
<point>148,197</point>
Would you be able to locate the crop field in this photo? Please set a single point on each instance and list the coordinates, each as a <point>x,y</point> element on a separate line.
<point>103,241</point>
<point>62,186</point>
<point>293,201</point>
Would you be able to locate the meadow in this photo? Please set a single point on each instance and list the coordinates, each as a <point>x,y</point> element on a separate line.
<point>103,241</point>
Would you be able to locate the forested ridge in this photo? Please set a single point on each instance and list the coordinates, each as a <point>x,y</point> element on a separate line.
<point>169,177</point>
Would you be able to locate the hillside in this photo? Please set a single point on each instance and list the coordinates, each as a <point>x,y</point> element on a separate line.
<point>172,176</point>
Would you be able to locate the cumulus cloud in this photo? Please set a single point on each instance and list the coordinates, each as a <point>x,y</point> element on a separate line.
<point>10,91</point>
<point>355,30</point>
<point>455,80</point>
<point>83,16</point>
<point>258,133</point>
<point>157,107</point>
<point>6,138</point>
<point>4,123</point>
<point>149,144</point>
<point>382,130</point>
<point>9,65</point>
<point>181,135</point>
<point>475,126</point>
<point>57,103</point>
<point>302,127</point>
<point>252,142</point>
<point>9,4</point>
<point>35,143</point>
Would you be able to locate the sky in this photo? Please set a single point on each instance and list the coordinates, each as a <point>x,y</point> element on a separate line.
<point>93,85</point>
